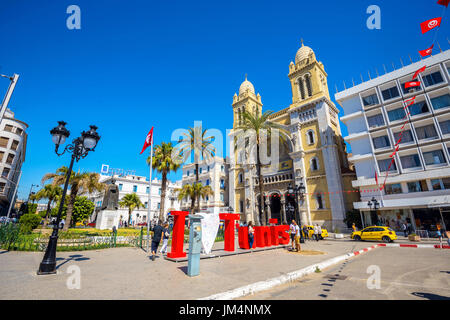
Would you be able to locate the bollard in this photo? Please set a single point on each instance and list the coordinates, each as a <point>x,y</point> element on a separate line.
<point>195,245</point>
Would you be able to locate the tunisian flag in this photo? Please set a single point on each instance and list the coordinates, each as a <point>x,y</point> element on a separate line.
<point>426,52</point>
<point>430,24</point>
<point>148,140</point>
<point>443,2</point>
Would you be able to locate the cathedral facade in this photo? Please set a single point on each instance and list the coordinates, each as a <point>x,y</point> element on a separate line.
<point>315,155</point>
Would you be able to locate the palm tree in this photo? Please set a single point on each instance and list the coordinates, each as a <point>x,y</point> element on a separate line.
<point>262,128</point>
<point>51,193</point>
<point>194,191</point>
<point>200,144</point>
<point>164,164</point>
<point>130,201</point>
<point>85,182</point>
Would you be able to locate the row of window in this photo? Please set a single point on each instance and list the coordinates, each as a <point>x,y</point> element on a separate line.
<point>414,109</point>
<point>392,92</point>
<point>4,143</point>
<point>418,186</point>
<point>422,133</point>
<point>9,159</point>
<point>10,128</point>
<point>200,170</point>
<point>435,157</point>
<point>135,188</point>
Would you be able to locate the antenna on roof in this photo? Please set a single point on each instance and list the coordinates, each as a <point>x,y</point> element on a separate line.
<point>344,85</point>
<point>401,61</point>
<point>369,74</point>
<point>353,82</point>
<point>376,71</point>
<point>384,67</point>
<point>439,46</point>
<point>336,87</point>
<point>410,58</point>
<point>362,80</point>
<point>393,65</point>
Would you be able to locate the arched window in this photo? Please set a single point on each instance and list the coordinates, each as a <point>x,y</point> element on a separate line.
<point>301,88</point>
<point>310,136</point>
<point>308,85</point>
<point>314,164</point>
<point>319,202</point>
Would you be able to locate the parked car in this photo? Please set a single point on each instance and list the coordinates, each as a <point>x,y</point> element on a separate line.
<point>377,233</point>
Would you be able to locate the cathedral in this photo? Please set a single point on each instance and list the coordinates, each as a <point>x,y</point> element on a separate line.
<point>315,156</point>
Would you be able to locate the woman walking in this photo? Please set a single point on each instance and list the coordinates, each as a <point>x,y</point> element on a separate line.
<point>251,234</point>
<point>165,238</point>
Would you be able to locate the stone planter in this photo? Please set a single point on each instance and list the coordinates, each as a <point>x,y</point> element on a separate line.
<point>413,238</point>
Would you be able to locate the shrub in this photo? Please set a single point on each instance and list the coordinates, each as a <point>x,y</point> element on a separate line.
<point>28,222</point>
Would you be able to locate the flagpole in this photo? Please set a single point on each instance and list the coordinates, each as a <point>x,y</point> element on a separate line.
<point>149,196</point>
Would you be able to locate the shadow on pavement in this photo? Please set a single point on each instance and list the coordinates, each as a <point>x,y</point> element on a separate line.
<point>74,257</point>
<point>448,272</point>
<point>429,296</point>
<point>184,269</point>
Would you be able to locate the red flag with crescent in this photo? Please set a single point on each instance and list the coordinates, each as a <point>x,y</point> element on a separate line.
<point>148,140</point>
<point>430,24</point>
<point>426,52</point>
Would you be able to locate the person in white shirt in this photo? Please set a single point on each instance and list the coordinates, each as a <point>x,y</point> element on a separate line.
<point>292,230</point>
<point>297,237</point>
<point>316,232</point>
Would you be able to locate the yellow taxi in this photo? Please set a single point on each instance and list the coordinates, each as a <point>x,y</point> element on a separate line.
<point>311,232</point>
<point>377,233</point>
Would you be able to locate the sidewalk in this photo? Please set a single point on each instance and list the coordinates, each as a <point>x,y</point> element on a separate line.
<point>127,273</point>
<point>400,239</point>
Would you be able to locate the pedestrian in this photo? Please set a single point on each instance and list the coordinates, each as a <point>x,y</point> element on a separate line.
<point>404,229</point>
<point>306,231</point>
<point>316,233</point>
<point>439,234</point>
<point>292,230</point>
<point>409,227</point>
<point>297,237</point>
<point>448,237</point>
<point>319,233</point>
<point>354,227</point>
<point>157,235</point>
<point>251,235</point>
<point>165,238</point>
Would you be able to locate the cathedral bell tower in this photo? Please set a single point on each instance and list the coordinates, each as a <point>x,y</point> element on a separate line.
<point>246,100</point>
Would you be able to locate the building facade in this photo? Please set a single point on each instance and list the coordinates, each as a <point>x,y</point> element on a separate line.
<point>13,144</point>
<point>213,173</point>
<point>314,155</point>
<point>418,182</point>
<point>139,185</point>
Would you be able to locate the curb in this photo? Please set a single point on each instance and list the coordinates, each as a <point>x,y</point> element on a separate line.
<point>288,277</point>
<point>436,246</point>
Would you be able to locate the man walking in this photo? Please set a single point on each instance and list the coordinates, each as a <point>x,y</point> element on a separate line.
<point>158,233</point>
<point>404,229</point>
<point>293,230</point>
<point>316,232</point>
<point>306,232</point>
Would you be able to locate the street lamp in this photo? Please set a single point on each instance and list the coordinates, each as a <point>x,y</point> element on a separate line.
<point>298,191</point>
<point>79,148</point>
<point>376,205</point>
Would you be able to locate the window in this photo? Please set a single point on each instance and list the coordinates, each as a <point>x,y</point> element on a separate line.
<point>384,165</point>
<point>120,187</point>
<point>10,158</point>
<point>240,178</point>
<point>1,155</point>
<point>187,173</point>
<point>381,142</point>
<point>200,170</point>
<point>147,190</point>
<point>445,126</point>
<point>19,131</point>
<point>308,85</point>
<point>301,88</point>
<point>375,121</point>
<point>222,184</point>
<point>8,128</point>
<point>441,102</point>
<point>446,183</point>
<point>222,168</point>
<point>159,205</point>
<point>14,145</point>
<point>159,191</point>
<point>310,136</point>
<point>134,188</point>
<point>221,197</point>
<point>208,168</point>
<point>434,157</point>
<point>410,161</point>
<point>319,201</point>
<point>314,164</point>
<point>370,100</point>
<point>207,182</point>
<point>390,93</point>
<point>396,114</point>
<point>395,188</point>
<point>241,206</point>
<point>418,108</point>
<point>5,172</point>
<point>413,89</point>
<point>207,198</point>
<point>436,184</point>
<point>426,132</point>
<point>417,186</point>
<point>2,187</point>
<point>432,79</point>
<point>4,142</point>
<point>406,137</point>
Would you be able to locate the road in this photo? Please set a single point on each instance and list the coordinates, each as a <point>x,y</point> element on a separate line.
<point>405,273</point>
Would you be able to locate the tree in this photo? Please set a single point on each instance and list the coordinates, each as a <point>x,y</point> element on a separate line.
<point>196,141</point>
<point>164,164</point>
<point>261,127</point>
<point>194,191</point>
<point>28,222</point>
<point>49,192</point>
<point>130,201</point>
<point>82,209</point>
<point>79,183</point>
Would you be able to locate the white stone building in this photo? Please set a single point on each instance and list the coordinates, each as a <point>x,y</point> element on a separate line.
<point>213,173</point>
<point>139,185</point>
<point>418,183</point>
<point>13,144</point>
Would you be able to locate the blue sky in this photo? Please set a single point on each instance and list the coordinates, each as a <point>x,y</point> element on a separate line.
<point>136,64</point>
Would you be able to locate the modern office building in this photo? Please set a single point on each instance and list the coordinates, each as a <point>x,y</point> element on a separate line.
<point>139,185</point>
<point>213,173</point>
<point>314,155</point>
<point>418,182</point>
<point>13,144</point>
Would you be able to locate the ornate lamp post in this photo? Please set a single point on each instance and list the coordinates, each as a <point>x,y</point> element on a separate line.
<point>298,191</point>
<point>376,206</point>
<point>79,148</point>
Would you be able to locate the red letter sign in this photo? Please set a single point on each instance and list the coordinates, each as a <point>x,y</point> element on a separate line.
<point>178,234</point>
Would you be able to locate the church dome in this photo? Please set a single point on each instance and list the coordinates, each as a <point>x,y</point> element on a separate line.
<point>246,85</point>
<point>303,53</point>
